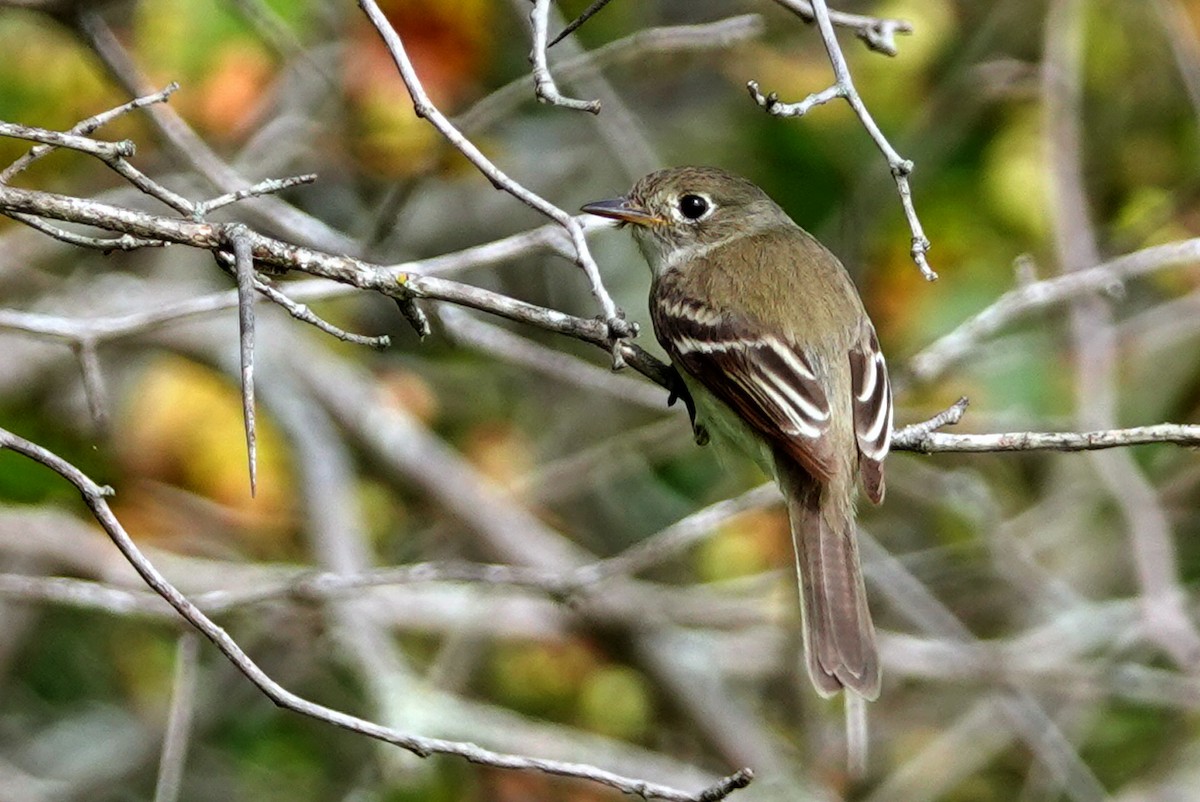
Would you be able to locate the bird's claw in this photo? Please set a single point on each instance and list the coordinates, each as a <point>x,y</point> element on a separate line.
<point>678,390</point>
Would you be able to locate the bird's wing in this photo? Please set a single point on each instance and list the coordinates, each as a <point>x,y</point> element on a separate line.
<point>872,410</point>
<point>768,381</point>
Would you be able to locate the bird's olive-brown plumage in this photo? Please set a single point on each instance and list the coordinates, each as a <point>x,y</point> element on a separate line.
<point>771,338</point>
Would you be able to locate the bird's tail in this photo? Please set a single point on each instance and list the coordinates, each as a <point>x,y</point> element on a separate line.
<point>839,638</point>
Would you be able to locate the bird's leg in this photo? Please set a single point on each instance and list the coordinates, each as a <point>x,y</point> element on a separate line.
<point>679,390</point>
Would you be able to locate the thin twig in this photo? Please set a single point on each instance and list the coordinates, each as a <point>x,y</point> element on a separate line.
<point>267,187</point>
<point>947,417</point>
<point>843,87</point>
<point>543,82</point>
<point>85,127</point>
<point>107,152</point>
<point>305,315</point>
<point>879,33</point>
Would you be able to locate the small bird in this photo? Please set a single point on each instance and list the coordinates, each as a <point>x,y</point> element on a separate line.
<point>770,338</point>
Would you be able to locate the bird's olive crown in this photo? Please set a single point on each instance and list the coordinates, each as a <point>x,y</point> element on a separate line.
<point>700,205</point>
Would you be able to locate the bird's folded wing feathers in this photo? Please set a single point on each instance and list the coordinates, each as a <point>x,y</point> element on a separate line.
<point>872,411</point>
<point>767,380</point>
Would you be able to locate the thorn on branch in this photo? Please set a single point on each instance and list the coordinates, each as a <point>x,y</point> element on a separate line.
<point>243,262</point>
<point>572,26</point>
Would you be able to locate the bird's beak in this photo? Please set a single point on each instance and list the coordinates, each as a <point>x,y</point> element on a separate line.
<point>622,209</point>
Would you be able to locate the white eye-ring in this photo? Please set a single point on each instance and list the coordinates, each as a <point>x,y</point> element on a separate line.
<point>692,207</point>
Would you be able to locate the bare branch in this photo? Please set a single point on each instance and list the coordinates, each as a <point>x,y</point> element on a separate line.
<point>619,328</point>
<point>107,152</point>
<point>844,87</point>
<point>930,442</point>
<point>947,417</point>
<point>924,439</point>
<point>348,270</point>
<point>94,496</point>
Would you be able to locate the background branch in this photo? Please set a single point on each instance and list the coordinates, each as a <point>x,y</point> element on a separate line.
<point>484,536</point>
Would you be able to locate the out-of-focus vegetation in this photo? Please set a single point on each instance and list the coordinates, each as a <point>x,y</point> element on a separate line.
<point>1005,542</point>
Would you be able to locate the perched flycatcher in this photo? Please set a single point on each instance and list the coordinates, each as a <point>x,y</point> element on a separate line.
<point>772,341</point>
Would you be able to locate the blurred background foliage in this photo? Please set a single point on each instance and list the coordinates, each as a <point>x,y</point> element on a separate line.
<point>290,86</point>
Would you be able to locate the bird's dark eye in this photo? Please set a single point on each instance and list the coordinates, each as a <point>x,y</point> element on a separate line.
<point>693,207</point>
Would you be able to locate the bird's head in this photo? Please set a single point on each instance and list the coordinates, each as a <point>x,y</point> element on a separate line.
<point>678,213</point>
